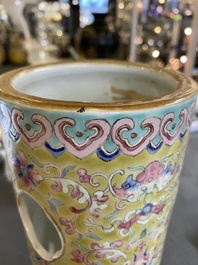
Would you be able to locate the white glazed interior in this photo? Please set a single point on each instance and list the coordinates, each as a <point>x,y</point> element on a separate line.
<point>94,82</point>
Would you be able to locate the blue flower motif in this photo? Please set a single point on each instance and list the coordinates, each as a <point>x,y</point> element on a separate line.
<point>147,209</point>
<point>168,169</point>
<point>130,183</point>
<point>26,171</point>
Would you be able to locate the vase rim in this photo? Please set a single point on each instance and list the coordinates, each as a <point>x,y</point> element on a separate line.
<point>186,89</point>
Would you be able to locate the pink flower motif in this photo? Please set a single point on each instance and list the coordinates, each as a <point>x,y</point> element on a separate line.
<point>77,256</point>
<point>157,208</point>
<point>57,186</point>
<point>100,197</point>
<point>129,223</point>
<point>70,229</point>
<point>120,192</point>
<point>26,171</point>
<point>141,245</point>
<point>101,253</point>
<point>114,244</point>
<point>98,202</point>
<point>76,191</point>
<point>151,173</point>
<point>84,177</point>
<point>95,246</point>
<point>106,249</point>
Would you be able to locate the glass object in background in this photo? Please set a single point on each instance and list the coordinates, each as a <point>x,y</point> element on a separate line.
<point>17,54</point>
<point>58,23</point>
<point>4,24</point>
<point>98,40</point>
<point>3,33</point>
<point>87,8</point>
<point>49,22</point>
<point>55,29</point>
<point>191,66</point>
<point>163,32</point>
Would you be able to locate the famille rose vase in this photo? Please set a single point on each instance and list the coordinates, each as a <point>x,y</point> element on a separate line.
<point>95,150</point>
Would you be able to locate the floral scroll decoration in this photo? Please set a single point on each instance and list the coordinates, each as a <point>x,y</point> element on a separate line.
<point>125,186</point>
<point>140,180</point>
<point>96,135</point>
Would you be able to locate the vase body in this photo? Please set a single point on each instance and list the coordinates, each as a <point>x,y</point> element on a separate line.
<point>95,185</point>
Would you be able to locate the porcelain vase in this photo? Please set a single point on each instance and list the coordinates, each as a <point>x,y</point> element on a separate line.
<point>95,150</point>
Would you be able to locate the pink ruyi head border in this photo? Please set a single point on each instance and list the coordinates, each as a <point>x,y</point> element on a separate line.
<point>107,134</point>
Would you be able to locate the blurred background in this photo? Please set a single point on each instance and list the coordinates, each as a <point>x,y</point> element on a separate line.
<point>158,32</point>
